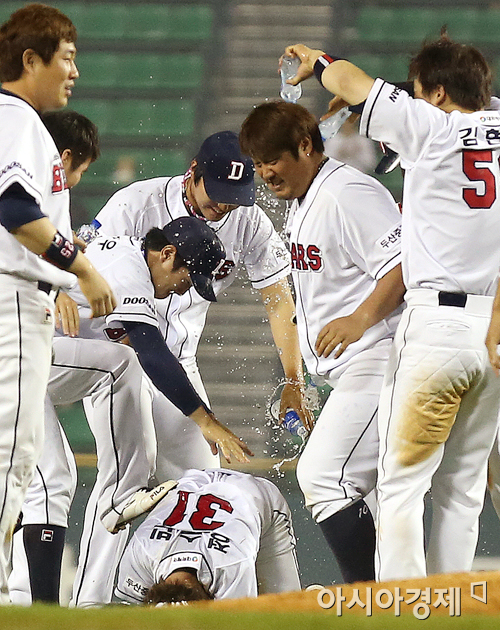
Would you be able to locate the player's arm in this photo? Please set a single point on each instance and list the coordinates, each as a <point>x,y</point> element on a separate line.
<point>170,379</point>
<point>341,77</point>
<point>340,333</point>
<point>493,334</point>
<point>22,217</point>
<point>280,308</point>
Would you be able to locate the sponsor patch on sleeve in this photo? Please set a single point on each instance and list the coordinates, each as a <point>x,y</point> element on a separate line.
<point>390,238</point>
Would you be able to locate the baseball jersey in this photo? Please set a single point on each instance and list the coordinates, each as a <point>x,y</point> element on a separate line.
<point>29,157</point>
<point>120,260</point>
<point>451,207</point>
<point>345,235</point>
<point>212,522</point>
<point>247,234</point>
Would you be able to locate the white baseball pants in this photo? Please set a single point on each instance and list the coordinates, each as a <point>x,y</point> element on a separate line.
<point>26,330</point>
<point>111,376</point>
<point>437,423</point>
<point>339,463</point>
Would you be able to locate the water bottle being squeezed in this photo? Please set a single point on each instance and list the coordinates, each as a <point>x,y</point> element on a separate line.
<point>289,67</point>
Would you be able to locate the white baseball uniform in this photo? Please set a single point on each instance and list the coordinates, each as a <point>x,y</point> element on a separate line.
<point>28,157</point>
<point>250,240</point>
<point>111,376</point>
<point>344,236</point>
<point>439,403</point>
<point>233,529</point>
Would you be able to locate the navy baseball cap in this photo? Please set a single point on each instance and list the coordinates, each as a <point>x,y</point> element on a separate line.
<point>228,175</point>
<point>200,248</point>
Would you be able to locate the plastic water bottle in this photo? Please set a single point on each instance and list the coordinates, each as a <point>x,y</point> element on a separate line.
<point>89,232</point>
<point>289,67</point>
<point>330,126</point>
<point>293,423</point>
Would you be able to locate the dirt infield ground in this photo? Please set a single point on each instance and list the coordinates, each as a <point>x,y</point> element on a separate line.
<point>452,595</point>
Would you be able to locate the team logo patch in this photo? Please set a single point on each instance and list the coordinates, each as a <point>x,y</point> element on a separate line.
<point>58,178</point>
<point>223,269</point>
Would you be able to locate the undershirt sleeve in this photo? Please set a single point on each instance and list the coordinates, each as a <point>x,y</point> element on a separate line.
<point>17,207</point>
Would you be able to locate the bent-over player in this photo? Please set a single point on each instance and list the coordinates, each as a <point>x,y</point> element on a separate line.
<point>439,403</point>
<point>37,71</point>
<point>218,534</point>
<point>344,230</point>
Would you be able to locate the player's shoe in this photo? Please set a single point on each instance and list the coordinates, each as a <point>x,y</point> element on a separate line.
<point>140,502</point>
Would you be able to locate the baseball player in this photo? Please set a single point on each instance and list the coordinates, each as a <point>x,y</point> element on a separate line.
<point>112,377</point>
<point>219,534</point>
<point>344,232</point>
<point>37,70</point>
<point>218,188</point>
<point>439,403</point>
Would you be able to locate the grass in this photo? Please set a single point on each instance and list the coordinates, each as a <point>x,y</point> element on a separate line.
<point>130,618</point>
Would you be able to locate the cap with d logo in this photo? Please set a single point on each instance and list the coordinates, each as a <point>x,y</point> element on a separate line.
<point>200,248</point>
<point>228,175</point>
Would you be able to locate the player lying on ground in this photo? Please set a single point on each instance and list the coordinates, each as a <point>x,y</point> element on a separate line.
<point>218,188</point>
<point>438,413</point>
<point>344,230</point>
<point>37,71</point>
<point>218,534</point>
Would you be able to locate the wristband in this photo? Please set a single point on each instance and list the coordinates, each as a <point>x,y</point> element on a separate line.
<point>323,62</point>
<point>61,252</point>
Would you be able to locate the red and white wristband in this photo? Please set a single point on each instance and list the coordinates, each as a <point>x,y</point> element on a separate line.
<point>323,62</point>
<point>61,252</point>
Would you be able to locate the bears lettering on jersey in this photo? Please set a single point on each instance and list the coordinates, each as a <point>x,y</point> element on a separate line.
<point>306,257</point>
<point>58,178</point>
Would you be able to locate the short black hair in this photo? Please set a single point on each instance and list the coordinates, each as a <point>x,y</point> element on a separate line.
<point>461,69</point>
<point>155,240</point>
<point>73,131</point>
<point>172,593</point>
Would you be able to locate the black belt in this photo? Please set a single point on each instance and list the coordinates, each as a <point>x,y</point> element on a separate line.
<point>452,299</point>
<point>46,287</point>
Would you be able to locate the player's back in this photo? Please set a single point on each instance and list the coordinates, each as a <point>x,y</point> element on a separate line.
<point>451,205</point>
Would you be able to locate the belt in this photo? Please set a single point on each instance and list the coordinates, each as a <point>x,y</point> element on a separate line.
<point>46,287</point>
<point>472,304</point>
<point>452,299</point>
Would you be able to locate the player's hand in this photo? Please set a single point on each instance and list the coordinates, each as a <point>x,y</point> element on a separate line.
<point>307,56</point>
<point>492,342</point>
<point>98,293</point>
<point>80,242</point>
<point>220,437</point>
<point>335,105</point>
<point>292,397</point>
<point>338,335</point>
<point>67,316</point>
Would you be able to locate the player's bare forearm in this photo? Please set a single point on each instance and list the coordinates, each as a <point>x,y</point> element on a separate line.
<point>218,435</point>
<point>67,316</point>
<point>385,298</point>
<point>341,78</point>
<point>94,287</point>
<point>493,334</point>
<point>280,309</point>
<point>35,235</point>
